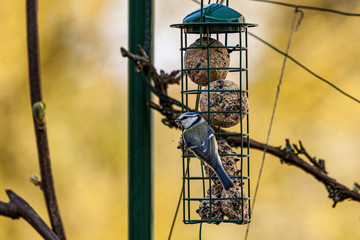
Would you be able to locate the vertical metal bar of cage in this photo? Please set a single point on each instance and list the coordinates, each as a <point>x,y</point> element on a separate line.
<point>197,98</point>
<point>188,159</point>
<point>182,68</point>
<point>140,144</point>
<point>182,110</point>
<point>241,124</point>
<point>208,108</point>
<point>183,186</point>
<point>201,13</point>
<point>208,72</point>
<point>247,120</point>
<point>188,189</point>
<point>199,87</point>
<point>186,82</point>
<point>226,39</point>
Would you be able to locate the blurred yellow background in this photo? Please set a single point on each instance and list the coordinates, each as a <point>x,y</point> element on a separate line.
<point>84,82</point>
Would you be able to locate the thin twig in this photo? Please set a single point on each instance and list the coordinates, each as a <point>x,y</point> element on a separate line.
<point>311,8</point>
<point>303,67</point>
<point>301,150</point>
<point>47,183</point>
<point>19,208</point>
<point>177,208</point>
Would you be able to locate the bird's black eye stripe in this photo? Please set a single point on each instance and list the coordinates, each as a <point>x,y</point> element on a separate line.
<point>197,120</point>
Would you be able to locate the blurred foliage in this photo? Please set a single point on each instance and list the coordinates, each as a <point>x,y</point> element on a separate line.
<point>84,88</point>
<point>86,109</point>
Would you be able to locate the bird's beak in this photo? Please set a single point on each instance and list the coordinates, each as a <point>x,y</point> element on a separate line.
<point>178,122</point>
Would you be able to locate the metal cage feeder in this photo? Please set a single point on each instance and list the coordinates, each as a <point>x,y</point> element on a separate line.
<point>219,91</point>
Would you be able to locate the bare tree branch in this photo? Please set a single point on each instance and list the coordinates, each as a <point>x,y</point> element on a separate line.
<point>47,183</point>
<point>18,208</point>
<point>161,83</point>
<point>290,154</point>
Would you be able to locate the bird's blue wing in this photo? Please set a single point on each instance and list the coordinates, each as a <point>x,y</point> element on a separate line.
<point>201,140</point>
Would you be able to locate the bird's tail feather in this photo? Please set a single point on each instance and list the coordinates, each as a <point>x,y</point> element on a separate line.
<point>224,178</point>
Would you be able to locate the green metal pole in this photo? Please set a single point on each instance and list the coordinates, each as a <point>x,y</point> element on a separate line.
<point>140,163</point>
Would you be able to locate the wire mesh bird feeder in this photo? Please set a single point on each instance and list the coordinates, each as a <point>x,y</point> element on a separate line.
<point>217,88</point>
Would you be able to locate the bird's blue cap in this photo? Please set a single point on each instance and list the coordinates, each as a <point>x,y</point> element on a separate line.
<point>186,114</point>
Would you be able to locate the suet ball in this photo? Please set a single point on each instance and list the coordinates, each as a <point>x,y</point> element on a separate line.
<point>197,58</point>
<point>224,101</point>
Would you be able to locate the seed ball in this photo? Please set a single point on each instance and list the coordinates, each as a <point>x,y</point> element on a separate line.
<point>224,101</point>
<point>197,58</point>
<point>204,206</point>
<point>233,208</point>
<point>228,161</point>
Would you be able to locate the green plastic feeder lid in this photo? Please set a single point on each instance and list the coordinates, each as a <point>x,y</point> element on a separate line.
<point>215,13</point>
<point>220,18</point>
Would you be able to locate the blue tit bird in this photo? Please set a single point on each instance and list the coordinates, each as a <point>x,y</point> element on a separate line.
<point>200,139</point>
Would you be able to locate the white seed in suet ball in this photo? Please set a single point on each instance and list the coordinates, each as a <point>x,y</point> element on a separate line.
<point>197,58</point>
<point>224,101</point>
<point>229,161</point>
<point>233,208</point>
<point>204,206</point>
